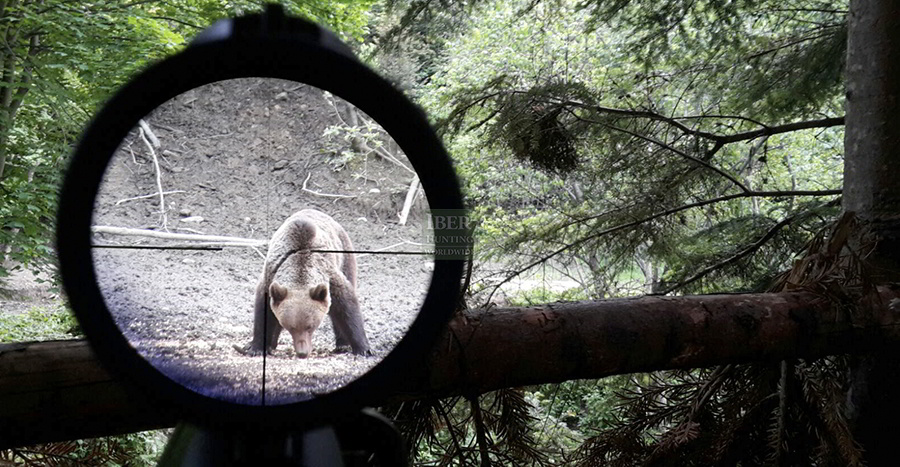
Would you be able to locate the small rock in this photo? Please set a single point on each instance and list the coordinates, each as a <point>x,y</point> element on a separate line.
<point>185,212</point>
<point>188,261</point>
<point>247,219</point>
<point>374,190</point>
<point>304,107</point>
<point>281,96</point>
<point>196,219</point>
<point>362,219</point>
<point>280,165</point>
<point>198,345</point>
<point>277,107</point>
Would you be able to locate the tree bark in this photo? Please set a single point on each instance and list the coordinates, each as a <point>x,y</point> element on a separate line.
<point>57,390</point>
<point>872,191</point>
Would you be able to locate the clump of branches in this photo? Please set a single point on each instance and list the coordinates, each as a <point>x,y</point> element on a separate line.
<point>491,429</point>
<point>536,132</point>
<point>783,413</point>
<point>98,452</point>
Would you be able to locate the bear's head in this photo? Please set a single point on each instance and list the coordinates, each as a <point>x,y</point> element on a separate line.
<point>300,311</point>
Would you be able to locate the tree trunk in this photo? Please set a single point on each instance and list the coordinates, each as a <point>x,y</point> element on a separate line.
<point>872,191</point>
<point>55,391</point>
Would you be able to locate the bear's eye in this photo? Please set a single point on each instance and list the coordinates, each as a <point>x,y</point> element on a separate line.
<point>318,293</point>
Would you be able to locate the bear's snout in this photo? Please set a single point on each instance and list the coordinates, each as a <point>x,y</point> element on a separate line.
<point>302,344</point>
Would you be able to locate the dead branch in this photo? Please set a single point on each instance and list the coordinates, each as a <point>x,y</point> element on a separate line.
<point>162,197</point>
<point>149,133</point>
<point>220,239</point>
<point>410,197</point>
<point>317,193</point>
<point>147,196</point>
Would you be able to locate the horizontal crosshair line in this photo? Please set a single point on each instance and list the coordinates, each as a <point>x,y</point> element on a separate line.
<point>154,247</point>
<point>219,248</point>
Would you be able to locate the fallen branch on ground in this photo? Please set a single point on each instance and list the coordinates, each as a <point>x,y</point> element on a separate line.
<point>147,196</point>
<point>220,239</point>
<point>327,195</point>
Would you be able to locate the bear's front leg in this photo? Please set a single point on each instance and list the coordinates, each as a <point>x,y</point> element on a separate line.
<point>346,319</point>
<point>266,328</point>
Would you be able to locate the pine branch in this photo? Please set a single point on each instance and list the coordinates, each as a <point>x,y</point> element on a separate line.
<point>480,434</point>
<point>668,147</point>
<point>667,212</point>
<point>724,139</point>
<point>734,258</point>
<point>786,128</point>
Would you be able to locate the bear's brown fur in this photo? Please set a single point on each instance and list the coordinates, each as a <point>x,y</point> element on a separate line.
<point>298,287</point>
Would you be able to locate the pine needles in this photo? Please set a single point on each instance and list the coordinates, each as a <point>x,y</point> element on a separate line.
<point>492,429</point>
<point>782,413</point>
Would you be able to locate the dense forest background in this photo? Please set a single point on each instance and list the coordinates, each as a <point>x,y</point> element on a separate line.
<point>607,149</point>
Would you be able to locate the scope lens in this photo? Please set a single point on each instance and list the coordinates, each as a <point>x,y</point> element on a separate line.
<point>261,187</point>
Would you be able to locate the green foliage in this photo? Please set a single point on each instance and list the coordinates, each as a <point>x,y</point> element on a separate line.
<point>541,295</point>
<point>643,147</point>
<point>39,323</point>
<point>583,406</point>
<point>586,150</point>
<point>135,449</point>
<point>446,432</point>
<point>62,60</point>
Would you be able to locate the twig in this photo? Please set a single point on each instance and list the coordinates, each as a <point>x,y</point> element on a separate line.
<point>149,133</point>
<point>404,242</point>
<point>386,155</point>
<point>327,195</point>
<point>361,142</point>
<point>480,434</point>
<point>147,196</point>
<point>162,198</point>
<point>261,254</point>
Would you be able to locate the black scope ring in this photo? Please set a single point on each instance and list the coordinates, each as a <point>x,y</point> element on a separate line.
<point>267,45</point>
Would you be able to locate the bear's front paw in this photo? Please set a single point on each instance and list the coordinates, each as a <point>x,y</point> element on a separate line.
<point>342,349</point>
<point>248,350</point>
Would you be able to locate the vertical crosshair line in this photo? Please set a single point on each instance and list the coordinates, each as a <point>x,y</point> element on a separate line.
<point>265,310</point>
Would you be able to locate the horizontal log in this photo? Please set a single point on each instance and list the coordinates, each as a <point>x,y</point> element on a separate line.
<point>510,347</point>
<point>57,390</point>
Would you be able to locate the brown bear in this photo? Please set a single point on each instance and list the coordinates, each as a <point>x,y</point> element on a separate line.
<point>299,287</point>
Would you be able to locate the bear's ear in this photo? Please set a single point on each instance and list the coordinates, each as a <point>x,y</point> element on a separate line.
<point>278,292</point>
<point>319,293</point>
